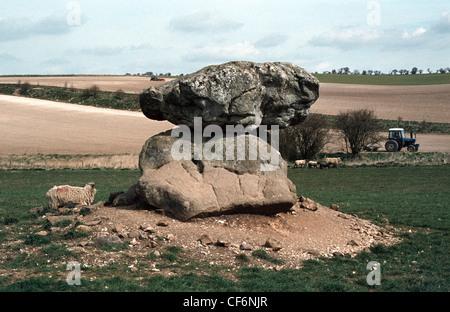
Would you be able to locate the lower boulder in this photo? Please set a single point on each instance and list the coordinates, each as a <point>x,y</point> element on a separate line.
<point>189,188</point>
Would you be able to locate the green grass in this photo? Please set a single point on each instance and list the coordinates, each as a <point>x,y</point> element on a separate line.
<point>104,99</point>
<point>409,196</point>
<point>383,159</point>
<point>114,247</point>
<point>394,80</point>
<point>262,254</point>
<point>412,198</point>
<point>22,190</point>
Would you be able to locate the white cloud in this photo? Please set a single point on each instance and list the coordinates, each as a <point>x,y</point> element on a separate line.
<point>103,50</point>
<point>417,33</point>
<point>107,50</point>
<point>271,40</point>
<point>203,21</point>
<point>14,29</point>
<point>6,57</point>
<point>354,37</point>
<point>443,24</point>
<point>324,66</point>
<point>345,37</point>
<point>239,51</point>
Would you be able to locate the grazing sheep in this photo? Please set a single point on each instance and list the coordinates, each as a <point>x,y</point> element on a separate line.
<point>61,195</point>
<point>313,164</point>
<point>299,163</point>
<point>333,161</point>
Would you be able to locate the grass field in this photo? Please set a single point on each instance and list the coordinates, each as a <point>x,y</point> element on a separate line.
<point>116,100</point>
<point>412,198</point>
<point>393,80</point>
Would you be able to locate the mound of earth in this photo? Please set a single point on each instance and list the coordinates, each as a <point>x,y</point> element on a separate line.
<point>309,230</point>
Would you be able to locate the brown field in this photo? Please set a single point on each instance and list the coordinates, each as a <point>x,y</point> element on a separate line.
<point>418,103</point>
<point>129,84</point>
<point>26,127</point>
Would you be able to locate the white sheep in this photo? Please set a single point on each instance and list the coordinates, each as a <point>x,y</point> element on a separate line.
<point>60,195</point>
<point>333,161</point>
<point>313,164</point>
<point>299,163</point>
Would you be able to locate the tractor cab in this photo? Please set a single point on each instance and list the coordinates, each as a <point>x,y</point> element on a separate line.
<point>396,134</point>
<point>397,140</point>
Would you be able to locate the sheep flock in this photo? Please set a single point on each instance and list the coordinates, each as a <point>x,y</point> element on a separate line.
<point>327,162</point>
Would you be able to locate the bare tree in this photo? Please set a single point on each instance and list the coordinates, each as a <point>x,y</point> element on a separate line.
<point>287,143</point>
<point>308,138</point>
<point>359,128</point>
<point>312,135</point>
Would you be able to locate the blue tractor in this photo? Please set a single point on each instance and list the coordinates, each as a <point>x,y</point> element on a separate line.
<point>397,140</point>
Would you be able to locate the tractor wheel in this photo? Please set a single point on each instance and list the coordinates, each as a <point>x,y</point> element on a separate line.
<point>391,146</point>
<point>411,148</point>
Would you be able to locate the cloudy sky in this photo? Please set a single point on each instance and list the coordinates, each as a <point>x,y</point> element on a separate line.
<point>116,37</point>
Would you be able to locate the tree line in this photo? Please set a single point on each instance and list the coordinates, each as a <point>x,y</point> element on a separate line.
<point>339,71</point>
<point>152,74</point>
<point>370,72</point>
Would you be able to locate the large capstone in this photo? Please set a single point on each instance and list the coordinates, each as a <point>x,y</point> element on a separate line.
<point>235,93</point>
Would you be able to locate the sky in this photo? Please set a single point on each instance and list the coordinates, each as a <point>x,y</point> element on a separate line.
<point>167,36</point>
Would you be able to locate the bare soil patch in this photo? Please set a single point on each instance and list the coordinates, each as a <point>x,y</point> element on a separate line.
<point>31,126</point>
<point>417,103</point>
<point>303,234</point>
<point>130,84</point>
